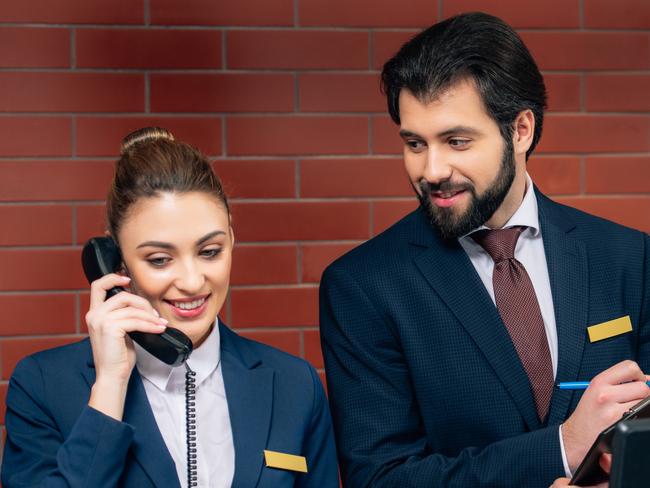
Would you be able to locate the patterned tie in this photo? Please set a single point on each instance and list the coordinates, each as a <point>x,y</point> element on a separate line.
<point>517,304</point>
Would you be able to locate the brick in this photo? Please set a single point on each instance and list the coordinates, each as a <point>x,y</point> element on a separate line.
<point>3,403</point>
<point>313,352</point>
<point>386,44</point>
<point>37,314</point>
<point>366,13</point>
<point>148,48</point>
<point>285,340</point>
<point>386,213</point>
<point>13,350</point>
<point>222,12</point>
<point>274,307</point>
<point>54,180</point>
<point>325,92</point>
<point>589,50</point>
<point>288,135</point>
<point>101,136</point>
<point>620,174</point>
<point>73,11</point>
<point>563,92</point>
<point>367,177</point>
<point>617,93</point>
<point>622,14</point>
<point>551,13</point>
<point>36,225</point>
<point>385,136</point>
<point>91,222</point>
<point>260,265</point>
<point>52,269</point>
<point>555,175</point>
<point>258,178</point>
<point>71,92</point>
<point>292,49</point>
<point>290,221</point>
<point>35,136</point>
<point>595,133</point>
<point>222,92</point>
<point>316,257</point>
<point>34,48</point>
<point>631,211</point>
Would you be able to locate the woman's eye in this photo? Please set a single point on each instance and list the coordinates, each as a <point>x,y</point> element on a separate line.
<point>158,261</point>
<point>210,253</point>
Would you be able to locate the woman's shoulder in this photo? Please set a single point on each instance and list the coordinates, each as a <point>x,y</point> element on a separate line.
<point>251,352</point>
<point>56,361</point>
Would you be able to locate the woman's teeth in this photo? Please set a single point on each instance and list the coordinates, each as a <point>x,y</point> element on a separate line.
<point>189,305</point>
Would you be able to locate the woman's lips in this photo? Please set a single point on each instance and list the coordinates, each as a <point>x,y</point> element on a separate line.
<point>188,308</point>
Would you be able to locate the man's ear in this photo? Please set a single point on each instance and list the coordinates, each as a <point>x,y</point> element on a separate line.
<point>522,137</point>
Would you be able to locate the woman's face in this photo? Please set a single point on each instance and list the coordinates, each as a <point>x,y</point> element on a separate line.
<point>177,249</point>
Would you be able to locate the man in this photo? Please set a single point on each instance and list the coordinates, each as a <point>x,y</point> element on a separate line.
<point>442,345</point>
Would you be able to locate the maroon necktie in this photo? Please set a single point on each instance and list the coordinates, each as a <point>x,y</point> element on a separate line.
<point>517,304</point>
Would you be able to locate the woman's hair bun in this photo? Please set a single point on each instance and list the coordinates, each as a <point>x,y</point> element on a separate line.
<point>145,134</point>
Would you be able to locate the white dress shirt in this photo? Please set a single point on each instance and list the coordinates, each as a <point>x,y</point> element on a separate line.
<point>530,253</point>
<point>165,389</point>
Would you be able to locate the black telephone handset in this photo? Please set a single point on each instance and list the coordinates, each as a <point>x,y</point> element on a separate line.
<point>101,256</point>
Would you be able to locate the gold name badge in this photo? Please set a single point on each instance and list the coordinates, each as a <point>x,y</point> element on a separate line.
<point>609,329</point>
<point>281,460</point>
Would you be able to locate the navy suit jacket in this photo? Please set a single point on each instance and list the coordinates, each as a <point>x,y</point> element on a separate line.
<point>275,400</point>
<point>425,385</point>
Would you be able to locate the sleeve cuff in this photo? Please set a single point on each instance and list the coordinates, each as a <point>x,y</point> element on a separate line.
<point>567,471</point>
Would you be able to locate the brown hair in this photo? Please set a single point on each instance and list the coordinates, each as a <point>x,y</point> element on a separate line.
<point>152,162</point>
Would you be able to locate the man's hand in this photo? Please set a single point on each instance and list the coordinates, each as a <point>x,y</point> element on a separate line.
<point>609,395</point>
<point>565,482</point>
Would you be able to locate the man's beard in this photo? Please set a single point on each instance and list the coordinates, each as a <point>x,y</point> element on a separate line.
<point>481,208</point>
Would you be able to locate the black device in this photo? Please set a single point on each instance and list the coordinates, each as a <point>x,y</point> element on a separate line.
<point>101,256</point>
<point>631,456</point>
<point>589,472</point>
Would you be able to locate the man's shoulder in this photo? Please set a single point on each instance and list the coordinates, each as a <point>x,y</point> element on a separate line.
<point>594,230</point>
<point>389,246</point>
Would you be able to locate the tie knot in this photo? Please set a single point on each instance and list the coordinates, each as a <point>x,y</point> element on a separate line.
<point>498,243</point>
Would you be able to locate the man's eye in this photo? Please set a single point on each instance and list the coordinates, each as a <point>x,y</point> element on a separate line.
<point>415,145</point>
<point>210,253</point>
<point>458,143</point>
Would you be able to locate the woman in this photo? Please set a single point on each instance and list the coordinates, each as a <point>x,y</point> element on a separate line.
<point>105,412</point>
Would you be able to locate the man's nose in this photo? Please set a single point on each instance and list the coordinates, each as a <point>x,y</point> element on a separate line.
<point>437,169</point>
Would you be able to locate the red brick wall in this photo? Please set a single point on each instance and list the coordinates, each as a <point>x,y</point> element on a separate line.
<point>283,94</point>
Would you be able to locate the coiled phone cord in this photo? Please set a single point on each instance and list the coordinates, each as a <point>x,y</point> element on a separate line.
<point>190,425</point>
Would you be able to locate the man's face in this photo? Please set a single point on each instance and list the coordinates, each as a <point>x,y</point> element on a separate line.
<point>458,163</point>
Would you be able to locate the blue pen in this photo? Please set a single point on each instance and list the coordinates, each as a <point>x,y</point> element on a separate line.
<point>577,385</point>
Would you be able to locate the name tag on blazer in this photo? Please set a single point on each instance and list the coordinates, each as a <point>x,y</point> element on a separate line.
<point>289,462</point>
<point>608,329</point>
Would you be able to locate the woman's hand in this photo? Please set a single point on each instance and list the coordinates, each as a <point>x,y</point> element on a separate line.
<point>108,322</point>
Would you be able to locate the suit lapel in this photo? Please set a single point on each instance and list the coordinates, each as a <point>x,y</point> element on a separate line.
<point>148,446</point>
<point>449,271</point>
<point>249,391</point>
<point>568,273</point>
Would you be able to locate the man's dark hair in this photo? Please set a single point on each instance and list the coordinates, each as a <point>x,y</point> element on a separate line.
<point>474,46</point>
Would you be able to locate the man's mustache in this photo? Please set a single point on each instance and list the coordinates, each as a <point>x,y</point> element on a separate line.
<point>444,186</point>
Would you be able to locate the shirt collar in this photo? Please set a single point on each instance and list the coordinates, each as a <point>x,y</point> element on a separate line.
<point>526,215</point>
<point>203,360</point>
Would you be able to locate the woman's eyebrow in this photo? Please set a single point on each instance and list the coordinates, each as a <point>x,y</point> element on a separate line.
<point>167,245</point>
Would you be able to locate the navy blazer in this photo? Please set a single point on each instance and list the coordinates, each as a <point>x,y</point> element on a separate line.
<point>425,385</point>
<point>275,400</point>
